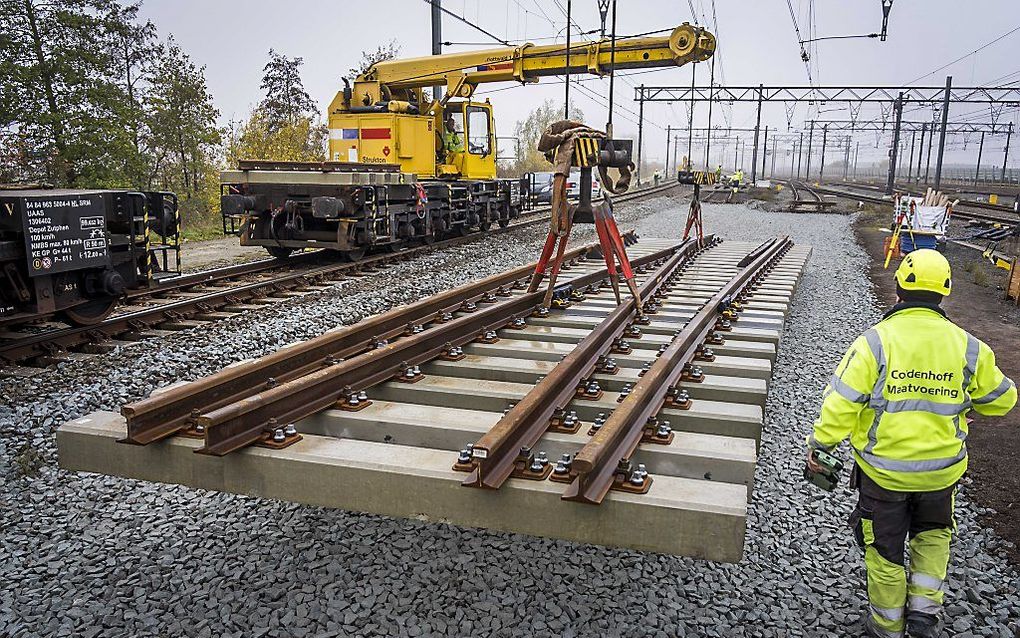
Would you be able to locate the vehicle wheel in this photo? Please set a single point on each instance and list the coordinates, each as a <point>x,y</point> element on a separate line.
<point>279,251</point>
<point>353,255</point>
<point>395,247</point>
<point>503,222</point>
<point>463,230</point>
<point>89,313</point>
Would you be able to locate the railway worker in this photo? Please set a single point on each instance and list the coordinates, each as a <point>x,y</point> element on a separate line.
<point>452,139</point>
<point>902,393</point>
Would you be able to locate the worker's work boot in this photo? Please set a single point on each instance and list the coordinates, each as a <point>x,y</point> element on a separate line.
<point>872,630</point>
<point>921,625</point>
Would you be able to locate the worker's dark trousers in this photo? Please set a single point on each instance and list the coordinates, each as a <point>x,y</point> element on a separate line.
<point>882,521</point>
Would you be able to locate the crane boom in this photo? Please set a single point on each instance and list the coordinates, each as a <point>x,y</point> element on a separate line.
<point>385,118</point>
<point>462,72</point>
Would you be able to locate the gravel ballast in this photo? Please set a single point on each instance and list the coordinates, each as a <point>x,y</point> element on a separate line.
<point>87,555</point>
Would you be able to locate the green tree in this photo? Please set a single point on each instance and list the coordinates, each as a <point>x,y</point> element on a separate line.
<point>181,118</point>
<point>300,141</point>
<point>285,125</point>
<point>60,99</point>
<point>529,130</point>
<point>133,48</point>
<point>383,52</point>
<point>286,100</point>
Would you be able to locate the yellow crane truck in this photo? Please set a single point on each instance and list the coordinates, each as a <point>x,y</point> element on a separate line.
<point>406,168</point>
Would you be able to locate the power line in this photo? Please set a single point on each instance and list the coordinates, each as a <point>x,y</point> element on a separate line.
<point>467,22</point>
<point>963,57</point>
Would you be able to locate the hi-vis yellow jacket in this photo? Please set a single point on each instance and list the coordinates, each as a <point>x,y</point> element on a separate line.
<point>902,393</point>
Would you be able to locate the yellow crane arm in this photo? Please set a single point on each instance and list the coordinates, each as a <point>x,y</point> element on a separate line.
<point>462,72</point>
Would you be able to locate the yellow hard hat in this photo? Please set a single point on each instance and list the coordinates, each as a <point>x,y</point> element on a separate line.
<point>925,269</point>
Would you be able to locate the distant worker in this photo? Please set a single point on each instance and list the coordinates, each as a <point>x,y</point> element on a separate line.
<point>1016,204</point>
<point>902,393</point>
<point>718,172</point>
<point>452,140</point>
<point>738,177</point>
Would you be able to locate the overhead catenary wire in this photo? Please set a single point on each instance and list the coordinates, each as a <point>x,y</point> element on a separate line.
<point>467,22</point>
<point>967,55</point>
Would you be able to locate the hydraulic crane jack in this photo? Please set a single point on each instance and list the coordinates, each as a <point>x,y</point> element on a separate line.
<point>588,152</point>
<point>697,178</point>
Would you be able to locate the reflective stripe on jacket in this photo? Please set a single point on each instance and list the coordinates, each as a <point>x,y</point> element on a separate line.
<point>902,393</point>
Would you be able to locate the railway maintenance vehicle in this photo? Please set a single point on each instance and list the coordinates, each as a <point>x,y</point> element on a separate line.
<point>403,167</point>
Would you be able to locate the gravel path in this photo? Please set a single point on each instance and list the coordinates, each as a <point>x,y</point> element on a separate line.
<point>97,556</point>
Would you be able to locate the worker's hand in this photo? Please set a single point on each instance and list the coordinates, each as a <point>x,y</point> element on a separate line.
<point>811,462</point>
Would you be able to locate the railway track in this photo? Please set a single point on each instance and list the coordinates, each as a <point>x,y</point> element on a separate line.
<point>543,412</point>
<point>813,203</point>
<point>197,298</point>
<point>962,211</point>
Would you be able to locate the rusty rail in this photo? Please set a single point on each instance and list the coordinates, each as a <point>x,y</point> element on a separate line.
<point>496,453</point>
<point>255,418</point>
<point>604,459</point>
<point>173,410</point>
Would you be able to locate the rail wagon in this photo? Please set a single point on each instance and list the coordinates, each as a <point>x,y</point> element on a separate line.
<point>71,254</point>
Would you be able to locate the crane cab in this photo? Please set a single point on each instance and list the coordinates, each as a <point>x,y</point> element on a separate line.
<point>467,147</point>
<point>457,140</point>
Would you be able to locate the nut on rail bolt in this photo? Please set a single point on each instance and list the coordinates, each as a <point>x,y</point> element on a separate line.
<point>276,437</point>
<point>488,336</point>
<point>624,393</point>
<point>631,479</point>
<point>714,338</point>
<point>534,467</point>
<point>692,373</point>
<point>632,331</point>
<point>703,353</point>
<point>656,431</point>
<point>413,329</point>
<point>589,389</point>
<point>678,398</point>
<point>468,306</point>
<point>723,325</point>
<point>641,319</point>
<point>452,352</point>
<point>564,421</point>
<point>409,374</point>
<point>606,365</point>
<point>352,401</point>
<point>600,420</point>
<point>562,470</point>
<point>518,323</point>
<point>540,312</point>
<point>645,367</point>
<point>620,346</point>
<point>465,459</point>
<point>489,297</point>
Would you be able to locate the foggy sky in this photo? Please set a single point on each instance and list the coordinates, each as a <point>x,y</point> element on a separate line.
<point>757,44</point>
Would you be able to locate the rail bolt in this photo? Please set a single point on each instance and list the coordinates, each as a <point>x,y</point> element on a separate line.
<point>570,420</point>
<point>278,436</point>
<point>290,430</point>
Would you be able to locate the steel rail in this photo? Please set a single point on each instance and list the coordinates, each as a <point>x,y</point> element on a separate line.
<point>495,454</point>
<point>48,342</point>
<point>253,418</point>
<point>597,463</point>
<point>957,211</point>
<point>167,413</point>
